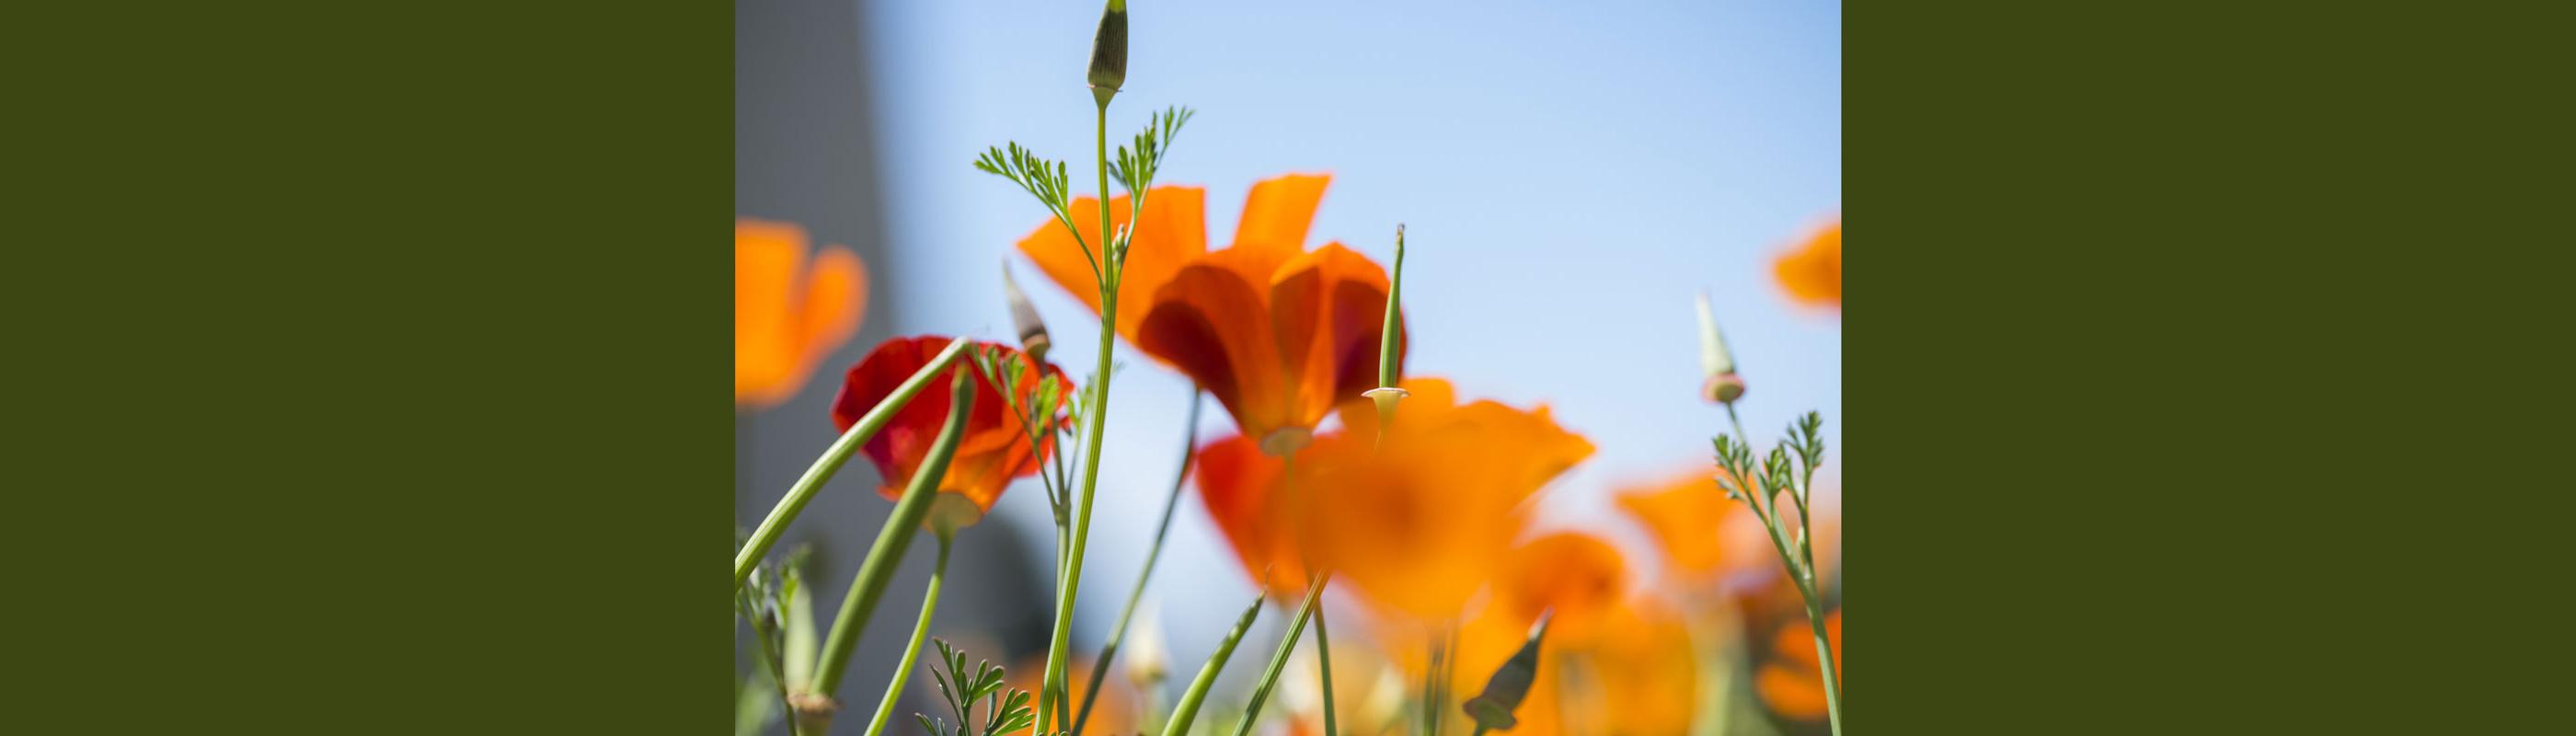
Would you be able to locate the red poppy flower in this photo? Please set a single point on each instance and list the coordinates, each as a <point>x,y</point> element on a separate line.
<point>995,448</point>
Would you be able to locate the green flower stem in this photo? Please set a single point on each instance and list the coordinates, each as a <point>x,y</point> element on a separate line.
<point>1825,661</point>
<point>1391,332</point>
<point>1801,569</point>
<point>1279,659</point>
<point>1431,685</point>
<point>878,568</point>
<point>1188,709</point>
<point>912,651</point>
<point>833,457</point>
<point>1162,529</point>
<point>1324,664</point>
<point>1097,417</point>
<point>1716,680</point>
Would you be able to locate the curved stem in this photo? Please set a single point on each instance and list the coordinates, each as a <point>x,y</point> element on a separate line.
<point>1279,659</point>
<point>766,535</point>
<point>1162,529</point>
<point>878,568</point>
<point>1324,662</point>
<point>929,603</point>
<point>1188,709</point>
<point>1097,416</point>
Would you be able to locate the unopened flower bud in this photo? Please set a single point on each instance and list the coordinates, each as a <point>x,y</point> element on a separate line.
<point>1109,52</point>
<point>1148,660</point>
<point>1493,708</point>
<point>1390,347</point>
<point>1723,388</point>
<point>1723,385</point>
<point>1024,318</point>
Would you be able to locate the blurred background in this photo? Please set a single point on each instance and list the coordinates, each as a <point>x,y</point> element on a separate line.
<point>1570,176</point>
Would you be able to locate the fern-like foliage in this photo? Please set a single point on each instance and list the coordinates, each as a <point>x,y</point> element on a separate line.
<point>1006,709</point>
<point>1045,180</point>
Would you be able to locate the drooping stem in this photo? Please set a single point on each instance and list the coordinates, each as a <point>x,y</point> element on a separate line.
<point>1162,529</point>
<point>1279,659</point>
<point>1188,709</point>
<point>1052,697</point>
<point>887,553</point>
<point>766,535</point>
<point>912,651</point>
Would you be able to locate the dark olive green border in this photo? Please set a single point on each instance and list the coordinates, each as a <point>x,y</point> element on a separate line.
<point>2169,336</point>
<point>368,368</point>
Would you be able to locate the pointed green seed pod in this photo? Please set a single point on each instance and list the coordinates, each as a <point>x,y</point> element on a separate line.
<point>1723,385</point>
<point>1109,52</point>
<point>1391,342</point>
<point>1493,708</point>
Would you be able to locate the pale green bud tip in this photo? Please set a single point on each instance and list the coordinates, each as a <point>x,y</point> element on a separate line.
<point>1713,356</point>
<point>1391,332</point>
<point>1723,385</point>
<point>1024,318</point>
<point>1109,52</point>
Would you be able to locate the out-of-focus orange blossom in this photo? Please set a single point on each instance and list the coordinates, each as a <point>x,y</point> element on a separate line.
<point>1420,525</point>
<point>1634,673</point>
<point>1790,681</point>
<point>1578,576</point>
<point>1813,273</point>
<point>1706,537</point>
<point>1417,527</point>
<point>788,315</point>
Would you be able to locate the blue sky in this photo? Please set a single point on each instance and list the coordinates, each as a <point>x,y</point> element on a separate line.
<point>1570,175</point>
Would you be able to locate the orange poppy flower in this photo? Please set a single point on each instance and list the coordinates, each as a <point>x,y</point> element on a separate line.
<point>1421,524</point>
<point>786,317</point>
<point>1277,333</point>
<point>1239,483</point>
<point>1634,675</point>
<point>995,448</point>
<point>1577,575</point>
<point>1707,536</point>
<point>1417,527</point>
<point>1813,273</point>
<point>1791,682</point>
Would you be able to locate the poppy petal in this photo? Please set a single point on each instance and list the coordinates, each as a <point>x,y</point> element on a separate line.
<point>1171,232</point>
<point>1212,325</point>
<point>1328,310</point>
<point>836,299</point>
<point>766,257</point>
<point>1238,483</point>
<point>1276,216</point>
